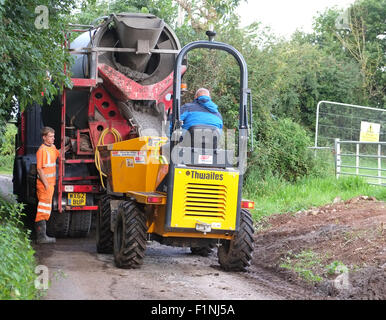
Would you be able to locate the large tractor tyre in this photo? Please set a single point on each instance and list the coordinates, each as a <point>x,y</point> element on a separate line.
<point>129,236</point>
<point>202,251</point>
<point>236,254</point>
<point>80,224</point>
<point>58,224</point>
<point>104,236</point>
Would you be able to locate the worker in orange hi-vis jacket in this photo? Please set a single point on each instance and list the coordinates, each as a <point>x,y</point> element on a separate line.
<point>45,184</point>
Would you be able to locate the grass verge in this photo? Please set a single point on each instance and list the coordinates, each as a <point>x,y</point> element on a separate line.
<point>273,195</point>
<point>17,263</point>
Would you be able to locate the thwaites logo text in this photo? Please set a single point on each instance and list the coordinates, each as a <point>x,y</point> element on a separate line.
<point>205,175</point>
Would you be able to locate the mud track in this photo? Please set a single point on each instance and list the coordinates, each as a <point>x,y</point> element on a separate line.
<point>77,271</point>
<point>338,250</point>
<point>348,234</point>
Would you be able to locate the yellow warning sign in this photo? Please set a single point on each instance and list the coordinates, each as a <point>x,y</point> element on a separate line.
<point>369,132</point>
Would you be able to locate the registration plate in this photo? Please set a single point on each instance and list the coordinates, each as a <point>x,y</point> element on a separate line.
<point>77,199</point>
<point>203,227</point>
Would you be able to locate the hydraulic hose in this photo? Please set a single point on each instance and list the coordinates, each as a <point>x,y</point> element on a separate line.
<point>117,138</point>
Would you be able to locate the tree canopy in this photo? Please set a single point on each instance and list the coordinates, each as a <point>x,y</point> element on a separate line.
<point>359,34</point>
<point>31,53</point>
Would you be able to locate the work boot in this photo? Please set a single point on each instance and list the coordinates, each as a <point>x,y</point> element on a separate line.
<point>41,235</point>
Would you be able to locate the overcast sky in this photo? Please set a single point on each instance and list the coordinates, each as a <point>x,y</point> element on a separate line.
<point>285,16</point>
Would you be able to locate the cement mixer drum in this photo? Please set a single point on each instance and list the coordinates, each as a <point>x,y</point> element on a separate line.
<point>141,32</point>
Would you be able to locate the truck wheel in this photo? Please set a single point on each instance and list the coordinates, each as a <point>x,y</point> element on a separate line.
<point>129,236</point>
<point>236,254</point>
<point>58,224</point>
<point>80,224</point>
<point>202,251</point>
<point>104,236</point>
<point>17,177</point>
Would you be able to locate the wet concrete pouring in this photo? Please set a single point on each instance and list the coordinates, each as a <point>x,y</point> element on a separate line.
<point>333,252</point>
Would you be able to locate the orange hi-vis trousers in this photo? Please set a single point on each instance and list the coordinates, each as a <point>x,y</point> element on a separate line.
<point>45,201</point>
<point>45,160</point>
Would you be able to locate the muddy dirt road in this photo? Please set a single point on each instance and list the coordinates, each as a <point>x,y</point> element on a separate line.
<point>77,271</point>
<point>337,251</point>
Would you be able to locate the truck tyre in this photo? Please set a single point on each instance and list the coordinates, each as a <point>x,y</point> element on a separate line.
<point>104,236</point>
<point>80,224</point>
<point>17,177</point>
<point>236,254</point>
<point>58,224</point>
<point>129,236</point>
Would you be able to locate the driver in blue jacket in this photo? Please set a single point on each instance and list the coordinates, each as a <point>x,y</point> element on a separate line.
<point>202,111</point>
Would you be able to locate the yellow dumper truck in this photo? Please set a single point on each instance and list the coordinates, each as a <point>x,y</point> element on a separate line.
<point>182,191</point>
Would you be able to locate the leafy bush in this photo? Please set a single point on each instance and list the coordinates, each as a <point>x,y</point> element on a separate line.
<point>17,263</point>
<point>283,152</point>
<point>6,164</point>
<point>8,140</point>
<point>7,148</point>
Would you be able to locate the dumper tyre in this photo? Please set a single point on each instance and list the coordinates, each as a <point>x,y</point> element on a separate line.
<point>236,254</point>
<point>129,236</point>
<point>80,224</point>
<point>104,235</point>
<point>58,225</point>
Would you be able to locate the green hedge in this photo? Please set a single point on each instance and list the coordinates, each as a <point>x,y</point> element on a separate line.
<point>7,148</point>
<point>17,262</point>
<point>6,164</point>
<point>282,152</point>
